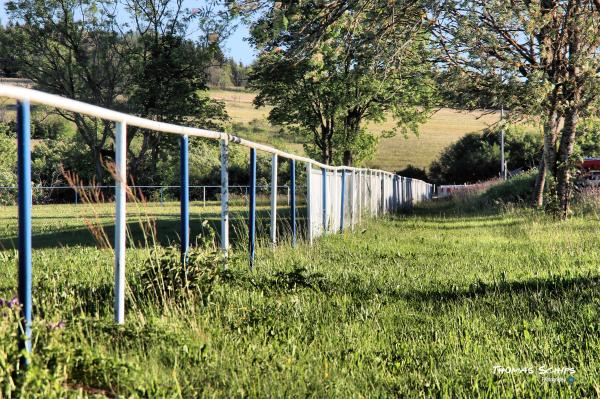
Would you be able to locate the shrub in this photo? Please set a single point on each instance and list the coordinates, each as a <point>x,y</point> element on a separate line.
<point>414,172</point>
<point>476,157</point>
<point>515,190</point>
<point>8,165</point>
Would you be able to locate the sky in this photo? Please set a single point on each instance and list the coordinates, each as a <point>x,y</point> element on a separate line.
<point>235,46</point>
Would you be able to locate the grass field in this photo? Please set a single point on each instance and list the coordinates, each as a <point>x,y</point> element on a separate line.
<point>424,304</point>
<point>445,127</point>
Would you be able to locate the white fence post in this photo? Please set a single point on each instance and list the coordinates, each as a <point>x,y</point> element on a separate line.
<point>352,198</point>
<point>361,190</point>
<point>309,221</point>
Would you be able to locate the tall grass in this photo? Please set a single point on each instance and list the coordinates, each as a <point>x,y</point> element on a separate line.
<point>425,304</point>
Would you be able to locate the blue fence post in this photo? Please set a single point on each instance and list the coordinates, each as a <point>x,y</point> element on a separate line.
<point>324,189</point>
<point>293,200</point>
<point>184,197</point>
<point>225,198</point>
<point>120,219</point>
<point>309,221</point>
<point>24,170</point>
<point>252,217</point>
<point>343,195</point>
<point>274,200</point>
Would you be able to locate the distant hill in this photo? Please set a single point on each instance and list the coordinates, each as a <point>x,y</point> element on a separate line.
<point>445,127</point>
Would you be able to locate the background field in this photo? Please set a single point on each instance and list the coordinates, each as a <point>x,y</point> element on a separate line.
<point>419,305</point>
<point>445,127</point>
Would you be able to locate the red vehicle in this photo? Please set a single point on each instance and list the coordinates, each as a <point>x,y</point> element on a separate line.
<point>591,172</point>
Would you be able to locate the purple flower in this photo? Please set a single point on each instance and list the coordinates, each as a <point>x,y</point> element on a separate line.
<point>57,326</point>
<point>13,302</point>
<point>2,302</point>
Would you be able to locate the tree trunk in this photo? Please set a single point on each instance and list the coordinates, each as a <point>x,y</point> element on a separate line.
<point>550,134</point>
<point>537,197</point>
<point>347,158</point>
<point>98,167</point>
<point>565,151</point>
<point>548,159</point>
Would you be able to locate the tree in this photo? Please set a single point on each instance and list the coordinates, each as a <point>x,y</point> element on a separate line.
<point>140,62</point>
<point>70,56</point>
<point>167,79</point>
<point>540,59</point>
<point>368,64</point>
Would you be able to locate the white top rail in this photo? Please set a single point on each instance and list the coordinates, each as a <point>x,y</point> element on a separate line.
<point>52,100</point>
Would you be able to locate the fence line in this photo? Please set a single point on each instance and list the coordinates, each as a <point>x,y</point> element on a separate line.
<point>160,187</point>
<point>330,197</point>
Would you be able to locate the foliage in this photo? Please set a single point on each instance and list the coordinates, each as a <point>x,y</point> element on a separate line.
<point>539,59</point>
<point>476,157</point>
<point>48,156</point>
<point>516,190</point>
<point>414,173</point>
<point>588,138</point>
<point>8,164</point>
<point>228,74</point>
<point>167,82</point>
<point>142,63</point>
<point>337,84</point>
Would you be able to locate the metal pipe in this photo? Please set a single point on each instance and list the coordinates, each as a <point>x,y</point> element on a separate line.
<point>293,200</point>
<point>24,196</point>
<point>224,198</point>
<point>324,189</point>
<point>342,195</point>
<point>309,221</point>
<point>274,200</point>
<point>52,100</point>
<point>252,217</point>
<point>120,219</point>
<point>184,193</point>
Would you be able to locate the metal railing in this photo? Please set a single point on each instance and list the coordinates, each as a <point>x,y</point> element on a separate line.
<point>161,189</point>
<point>342,190</point>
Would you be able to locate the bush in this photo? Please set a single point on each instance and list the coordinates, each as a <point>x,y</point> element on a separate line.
<point>515,190</point>
<point>8,165</point>
<point>496,194</point>
<point>476,157</point>
<point>414,173</point>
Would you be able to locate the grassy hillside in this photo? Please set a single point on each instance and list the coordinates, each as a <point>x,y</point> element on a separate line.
<point>445,127</point>
<point>424,305</point>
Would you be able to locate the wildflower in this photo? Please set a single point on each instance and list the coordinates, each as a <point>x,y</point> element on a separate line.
<point>57,326</point>
<point>13,303</point>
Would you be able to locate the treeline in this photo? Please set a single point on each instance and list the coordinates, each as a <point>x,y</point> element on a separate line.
<point>228,74</point>
<point>475,157</point>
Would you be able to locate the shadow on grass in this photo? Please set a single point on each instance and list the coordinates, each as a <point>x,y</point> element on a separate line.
<point>554,286</point>
<point>299,278</point>
<point>168,230</point>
